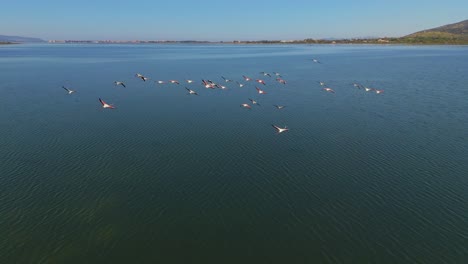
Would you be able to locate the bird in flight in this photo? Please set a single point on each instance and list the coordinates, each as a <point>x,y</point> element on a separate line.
<point>330,90</point>
<point>281,80</point>
<point>260,91</point>
<point>190,91</point>
<point>357,85</point>
<point>379,91</point>
<point>261,81</point>
<point>246,78</point>
<point>240,84</point>
<point>208,84</point>
<point>106,105</point>
<point>120,83</point>
<point>174,81</point>
<point>280,129</point>
<point>265,74</point>
<point>69,91</point>
<point>142,77</point>
<point>279,106</point>
<point>246,106</point>
<point>254,102</point>
<point>316,61</point>
<point>225,79</point>
<point>220,86</point>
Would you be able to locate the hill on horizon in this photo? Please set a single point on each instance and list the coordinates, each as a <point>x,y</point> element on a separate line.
<point>451,33</point>
<point>19,39</point>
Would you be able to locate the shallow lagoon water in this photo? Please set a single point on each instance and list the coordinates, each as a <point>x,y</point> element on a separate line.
<point>167,177</point>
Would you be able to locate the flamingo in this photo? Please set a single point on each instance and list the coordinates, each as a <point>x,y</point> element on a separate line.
<point>120,83</point>
<point>260,91</point>
<point>254,102</point>
<point>280,129</point>
<point>279,106</point>
<point>225,79</point>
<point>330,90</point>
<point>69,91</point>
<point>246,106</point>
<point>316,61</point>
<point>191,91</point>
<point>106,105</point>
<point>142,77</point>
<point>281,80</point>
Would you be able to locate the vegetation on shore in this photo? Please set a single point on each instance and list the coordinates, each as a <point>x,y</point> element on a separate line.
<point>433,40</point>
<point>426,40</point>
<point>452,34</point>
<point>456,34</point>
<point>436,38</point>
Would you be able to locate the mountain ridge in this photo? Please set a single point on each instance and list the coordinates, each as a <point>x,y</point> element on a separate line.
<point>5,38</point>
<point>458,28</point>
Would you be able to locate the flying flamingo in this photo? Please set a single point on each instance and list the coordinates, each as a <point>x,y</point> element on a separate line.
<point>246,106</point>
<point>191,91</point>
<point>120,83</point>
<point>69,91</point>
<point>254,102</point>
<point>279,106</point>
<point>106,105</point>
<point>330,90</point>
<point>280,129</point>
<point>260,91</point>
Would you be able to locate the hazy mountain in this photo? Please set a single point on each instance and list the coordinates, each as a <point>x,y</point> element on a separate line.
<point>4,38</point>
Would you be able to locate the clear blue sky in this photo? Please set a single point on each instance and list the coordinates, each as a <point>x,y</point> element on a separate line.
<point>224,20</point>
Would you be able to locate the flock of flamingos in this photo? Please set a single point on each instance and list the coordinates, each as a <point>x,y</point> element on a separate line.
<point>209,84</point>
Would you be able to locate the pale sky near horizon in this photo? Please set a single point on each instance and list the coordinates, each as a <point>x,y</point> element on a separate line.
<point>224,20</point>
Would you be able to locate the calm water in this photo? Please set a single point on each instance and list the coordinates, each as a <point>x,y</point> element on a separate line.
<point>172,178</point>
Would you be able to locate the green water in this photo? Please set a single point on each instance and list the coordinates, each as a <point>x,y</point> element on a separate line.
<point>172,178</point>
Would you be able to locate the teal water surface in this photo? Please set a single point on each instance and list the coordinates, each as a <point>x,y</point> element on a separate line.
<point>168,177</point>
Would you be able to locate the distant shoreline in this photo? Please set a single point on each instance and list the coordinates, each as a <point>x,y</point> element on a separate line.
<point>385,42</point>
<point>254,44</point>
<point>451,34</point>
<point>380,41</point>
